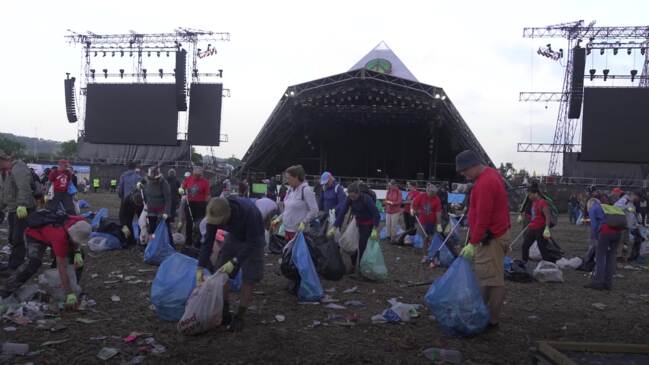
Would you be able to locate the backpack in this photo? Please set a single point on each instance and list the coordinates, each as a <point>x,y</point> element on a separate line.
<point>46,217</point>
<point>365,189</point>
<point>615,216</point>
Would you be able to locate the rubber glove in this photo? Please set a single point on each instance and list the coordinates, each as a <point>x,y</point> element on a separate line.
<point>300,227</point>
<point>78,260</point>
<point>275,222</point>
<point>546,233</point>
<point>181,191</point>
<point>71,301</point>
<point>439,228</point>
<point>468,251</point>
<point>126,231</point>
<point>165,216</point>
<point>228,268</point>
<point>21,212</point>
<point>331,232</point>
<point>199,275</point>
<point>412,212</point>
<point>375,234</point>
<point>519,220</point>
<point>139,185</point>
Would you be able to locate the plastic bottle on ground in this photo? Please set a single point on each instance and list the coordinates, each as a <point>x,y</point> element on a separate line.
<point>449,356</point>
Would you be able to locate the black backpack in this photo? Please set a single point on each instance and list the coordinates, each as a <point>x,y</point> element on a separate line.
<point>46,217</point>
<point>365,189</point>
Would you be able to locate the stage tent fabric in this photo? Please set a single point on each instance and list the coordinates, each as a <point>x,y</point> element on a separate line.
<point>375,120</point>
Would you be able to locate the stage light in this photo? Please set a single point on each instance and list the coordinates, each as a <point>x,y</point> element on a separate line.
<point>606,71</point>
<point>601,51</point>
<point>167,53</point>
<point>121,73</point>
<point>92,73</point>
<point>121,53</point>
<point>443,97</point>
<point>220,73</point>
<point>592,73</point>
<point>437,96</point>
<point>105,71</point>
<point>148,54</point>
<point>95,53</point>
<point>104,54</point>
<point>615,51</point>
<point>560,52</point>
<point>642,50</point>
<point>634,73</point>
<point>292,93</point>
<point>160,72</point>
<point>195,73</point>
<point>113,55</point>
<point>130,54</point>
<point>628,51</point>
<point>588,50</point>
<point>144,73</point>
<point>158,53</point>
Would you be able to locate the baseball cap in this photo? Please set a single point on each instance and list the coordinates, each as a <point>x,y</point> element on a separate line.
<point>324,178</point>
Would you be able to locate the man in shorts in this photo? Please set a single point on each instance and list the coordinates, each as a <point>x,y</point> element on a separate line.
<point>488,231</point>
<point>243,249</point>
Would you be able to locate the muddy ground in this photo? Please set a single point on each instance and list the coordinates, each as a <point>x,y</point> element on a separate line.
<point>536,311</point>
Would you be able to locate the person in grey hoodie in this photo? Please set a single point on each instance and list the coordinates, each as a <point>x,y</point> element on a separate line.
<point>157,197</point>
<point>17,197</point>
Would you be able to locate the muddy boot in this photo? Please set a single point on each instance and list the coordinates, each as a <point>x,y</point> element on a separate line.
<point>226,315</point>
<point>237,321</point>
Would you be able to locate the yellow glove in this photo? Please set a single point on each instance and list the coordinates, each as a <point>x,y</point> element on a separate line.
<point>165,216</point>
<point>275,222</point>
<point>546,233</point>
<point>21,212</point>
<point>331,232</point>
<point>375,234</point>
<point>199,276</point>
<point>631,209</point>
<point>181,191</point>
<point>300,227</point>
<point>519,220</point>
<point>228,268</point>
<point>468,251</point>
<point>439,228</point>
<point>71,301</point>
<point>78,260</point>
<point>139,185</point>
<point>126,231</point>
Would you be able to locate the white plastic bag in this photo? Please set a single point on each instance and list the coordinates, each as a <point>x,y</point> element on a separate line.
<point>97,244</point>
<point>547,272</point>
<point>143,223</point>
<point>575,262</point>
<point>178,238</point>
<point>348,241</point>
<point>204,307</point>
<point>535,253</point>
<point>50,282</point>
<point>563,263</point>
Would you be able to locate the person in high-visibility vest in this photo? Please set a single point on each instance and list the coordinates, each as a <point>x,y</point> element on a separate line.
<point>95,184</point>
<point>113,185</point>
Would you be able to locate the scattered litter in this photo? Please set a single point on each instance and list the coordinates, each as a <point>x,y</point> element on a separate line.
<point>111,281</point>
<point>152,307</point>
<point>564,328</point>
<point>354,303</point>
<point>26,292</point>
<point>10,348</point>
<point>335,306</point>
<point>98,338</point>
<point>86,320</point>
<point>533,318</point>
<point>9,329</point>
<point>58,327</point>
<point>107,353</point>
<point>309,303</point>
<point>127,278</point>
<point>137,360</point>
<point>115,298</point>
<point>146,270</point>
<point>132,337</point>
<point>135,281</point>
<point>600,306</point>
<point>55,342</point>
<point>398,312</point>
<point>443,355</point>
<point>94,276</point>
<point>280,317</point>
<point>619,276</point>
<point>316,324</point>
<point>328,299</point>
<point>158,349</point>
<point>330,290</point>
<point>258,292</point>
<point>350,290</point>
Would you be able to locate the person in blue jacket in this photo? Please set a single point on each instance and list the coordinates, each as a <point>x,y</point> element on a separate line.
<point>607,239</point>
<point>367,216</point>
<point>243,248</point>
<point>333,194</point>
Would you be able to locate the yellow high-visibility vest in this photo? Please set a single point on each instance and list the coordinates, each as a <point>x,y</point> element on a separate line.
<point>95,183</point>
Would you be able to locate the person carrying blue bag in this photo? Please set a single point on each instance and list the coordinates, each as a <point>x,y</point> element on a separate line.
<point>488,230</point>
<point>157,196</point>
<point>243,249</point>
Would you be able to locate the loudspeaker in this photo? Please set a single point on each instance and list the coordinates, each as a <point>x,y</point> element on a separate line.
<point>70,108</point>
<point>577,82</point>
<point>181,80</point>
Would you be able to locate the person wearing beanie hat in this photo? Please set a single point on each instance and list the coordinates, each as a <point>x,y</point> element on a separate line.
<point>243,249</point>
<point>488,229</point>
<point>196,190</point>
<point>539,227</point>
<point>65,237</point>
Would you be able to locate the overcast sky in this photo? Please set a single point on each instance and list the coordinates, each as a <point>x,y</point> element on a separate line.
<point>473,49</point>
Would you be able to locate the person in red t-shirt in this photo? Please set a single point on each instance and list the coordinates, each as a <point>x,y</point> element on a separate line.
<point>392,204</point>
<point>61,178</point>
<point>428,209</point>
<point>197,189</point>
<point>65,239</point>
<point>539,227</point>
<point>488,230</point>
<point>409,219</point>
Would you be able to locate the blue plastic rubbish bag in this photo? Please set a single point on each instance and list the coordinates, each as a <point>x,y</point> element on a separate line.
<point>136,230</point>
<point>159,248</point>
<point>456,302</point>
<point>72,190</point>
<point>507,263</point>
<point>173,283</point>
<point>83,204</point>
<point>418,242</point>
<point>235,284</point>
<point>445,257</point>
<point>383,235</point>
<point>372,263</point>
<point>310,288</point>
<point>100,241</point>
<point>435,243</point>
<point>99,216</point>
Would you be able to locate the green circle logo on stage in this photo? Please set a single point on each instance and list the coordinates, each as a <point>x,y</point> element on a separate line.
<point>379,65</point>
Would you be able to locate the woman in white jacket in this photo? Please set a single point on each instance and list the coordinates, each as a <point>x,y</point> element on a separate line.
<point>300,205</point>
